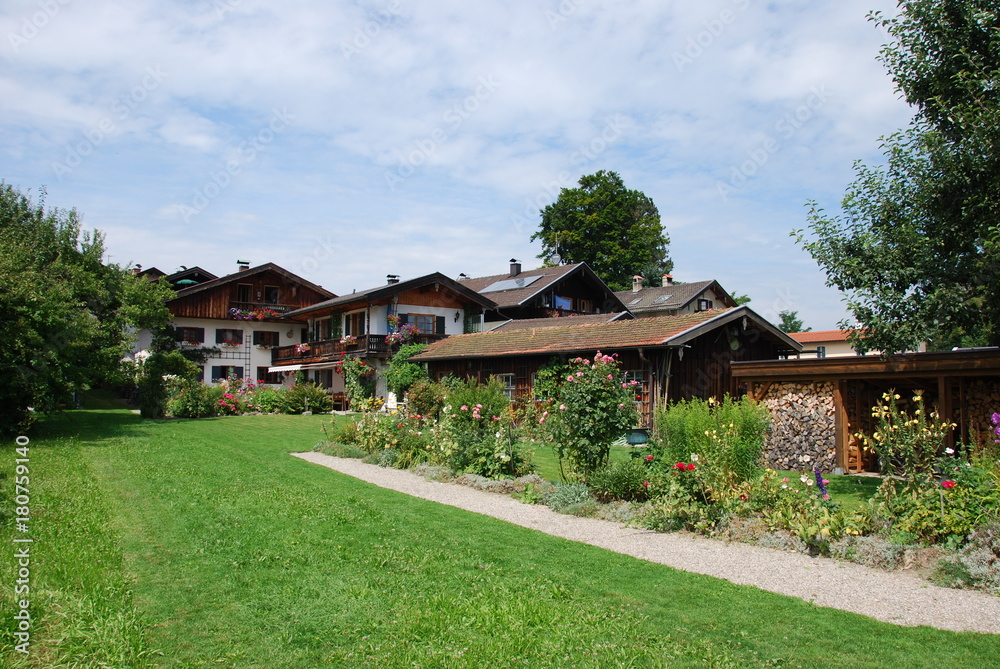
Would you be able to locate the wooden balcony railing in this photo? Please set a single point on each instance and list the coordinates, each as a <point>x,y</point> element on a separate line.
<point>249,307</point>
<point>334,349</point>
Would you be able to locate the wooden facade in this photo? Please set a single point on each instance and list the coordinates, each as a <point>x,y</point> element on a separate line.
<point>267,287</point>
<point>687,362</point>
<point>963,385</point>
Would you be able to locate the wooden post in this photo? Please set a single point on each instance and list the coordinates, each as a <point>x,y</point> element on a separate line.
<point>946,406</point>
<point>842,427</point>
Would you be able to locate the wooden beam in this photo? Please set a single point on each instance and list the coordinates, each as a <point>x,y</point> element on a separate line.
<point>842,428</point>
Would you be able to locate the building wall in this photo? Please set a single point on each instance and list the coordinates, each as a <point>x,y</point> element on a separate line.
<point>248,355</point>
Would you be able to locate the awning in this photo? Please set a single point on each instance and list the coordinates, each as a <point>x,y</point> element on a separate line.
<point>284,368</point>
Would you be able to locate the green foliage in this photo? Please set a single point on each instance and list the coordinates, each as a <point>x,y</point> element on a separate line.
<point>977,565</point>
<point>593,408</point>
<point>566,495</point>
<point>790,322</point>
<point>915,245</point>
<point>268,399</point>
<point>628,480</point>
<point>548,379</point>
<point>152,384</point>
<point>616,231</point>
<point>306,397</point>
<point>193,399</point>
<point>477,432</point>
<point>726,439</point>
<point>426,398</point>
<point>359,381</point>
<point>907,445</point>
<point>402,373</point>
<point>68,317</point>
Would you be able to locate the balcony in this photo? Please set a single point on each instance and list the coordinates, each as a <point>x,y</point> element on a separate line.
<point>366,346</point>
<point>247,310</point>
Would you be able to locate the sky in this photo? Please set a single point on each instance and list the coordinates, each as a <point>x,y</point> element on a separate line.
<point>345,141</point>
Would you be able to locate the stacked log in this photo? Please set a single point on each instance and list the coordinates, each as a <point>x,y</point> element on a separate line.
<point>982,400</point>
<point>802,426</point>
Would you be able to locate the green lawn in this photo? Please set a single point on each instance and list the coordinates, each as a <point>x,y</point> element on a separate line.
<point>202,543</point>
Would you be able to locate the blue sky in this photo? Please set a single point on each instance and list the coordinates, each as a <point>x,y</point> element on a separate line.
<point>349,140</point>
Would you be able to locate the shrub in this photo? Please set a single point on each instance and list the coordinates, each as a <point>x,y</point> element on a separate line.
<point>477,432</point>
<point>627,480</point>
<point>193,399</point>
<point>268,399</point>
<point>426,398</point>
<point>402,373</point>
<point>359,381</point>
<point>727,438</point>
<point>340,450</point>
<point>306,397</point>
<point>907,444</point>
<point>344,432</point>
<point>566,495</point>
<point>874,552</point>
<point>594,406</point>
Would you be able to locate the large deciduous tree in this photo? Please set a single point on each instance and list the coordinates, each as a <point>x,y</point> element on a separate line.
<point>66,316</point>
<point>915,247</point>
<point>616,231</point>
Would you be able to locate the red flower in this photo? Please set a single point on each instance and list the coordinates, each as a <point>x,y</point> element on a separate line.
<point>645,484</point>
<point>691,467</point>
<point>947,484</point>
<point>649,458</point>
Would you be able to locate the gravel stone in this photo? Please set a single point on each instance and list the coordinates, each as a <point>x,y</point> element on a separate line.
<point>897,597</point>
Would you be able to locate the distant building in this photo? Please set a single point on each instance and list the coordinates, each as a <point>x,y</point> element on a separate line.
<point>672,299</point>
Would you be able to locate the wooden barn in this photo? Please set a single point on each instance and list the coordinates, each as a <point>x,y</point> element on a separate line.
<point>672,357</point>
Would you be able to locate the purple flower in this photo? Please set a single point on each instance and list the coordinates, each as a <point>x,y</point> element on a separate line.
<point>821,483</point>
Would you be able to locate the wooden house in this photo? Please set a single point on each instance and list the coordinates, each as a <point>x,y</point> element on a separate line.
<point>565,290</point>
<point>358,324</point>
<point>239,318</point>
<point>672,299</point>
<point>671,357</point>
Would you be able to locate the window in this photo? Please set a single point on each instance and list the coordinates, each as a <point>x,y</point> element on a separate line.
<point>426,323</point>
<point>244,292</point>
<point>354,324</point>
<point>265,338</point>
<point>821,351</point>
<point>223,372</point>
<point>268,377</point>
<point>704,305</point>
<point>322,330</point>
<point>229,337</point>
<point>508,385</point>
<point>271,294</point>
<point>191,335</point>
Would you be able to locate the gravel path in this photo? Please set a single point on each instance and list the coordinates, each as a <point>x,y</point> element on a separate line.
<point>897,597</point>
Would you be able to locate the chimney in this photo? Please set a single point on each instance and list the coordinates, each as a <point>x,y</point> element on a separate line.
<point>392,278</point>
<point>243,265</point>
<point>137,270</point>
<point>515,267</point>
<point>636,283</point>
<point>668,280</point>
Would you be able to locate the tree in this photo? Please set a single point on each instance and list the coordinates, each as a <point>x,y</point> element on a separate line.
<point>916,248</point>
<point>616,231</point>
<point>740,300</point>
<point>67,316</point>
<point>790,322</point>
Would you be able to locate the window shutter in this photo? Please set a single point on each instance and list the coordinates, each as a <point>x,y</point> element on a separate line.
<point>201,335</point>
<point>219,336</point>
<point>439,329</point>
<point>216,373</point>
<point>404,319</point>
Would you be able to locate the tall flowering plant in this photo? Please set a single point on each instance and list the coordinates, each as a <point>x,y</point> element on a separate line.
<point>594,406</point>
<point>359,379</point>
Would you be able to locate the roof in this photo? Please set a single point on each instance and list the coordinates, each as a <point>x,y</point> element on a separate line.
<point>662,331</point>
<point>820,336</point>
<point>674,296</point>
<point>900,367</point>
<point>547,277</point>
<point>390,289</point>
<point>236,276</point>
<point>533,323</point>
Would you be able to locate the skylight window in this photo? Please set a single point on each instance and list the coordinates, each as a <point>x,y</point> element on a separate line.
<point>662,298</point>
<point>635,302</point>
<point>510,284</point>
